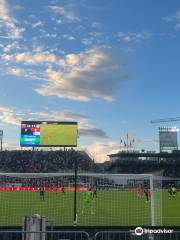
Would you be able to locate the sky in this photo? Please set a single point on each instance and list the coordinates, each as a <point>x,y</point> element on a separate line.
<point>112,66</point>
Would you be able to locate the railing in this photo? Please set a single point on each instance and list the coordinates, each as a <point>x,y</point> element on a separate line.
<point>127,235</point>
<point>82,235</point>
<point>48,235</point>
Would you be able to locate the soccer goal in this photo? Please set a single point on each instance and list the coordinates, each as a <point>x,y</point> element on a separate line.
<point>101,199</point>
<point>121,200</point>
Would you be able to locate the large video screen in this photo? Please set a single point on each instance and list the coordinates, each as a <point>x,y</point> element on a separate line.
<point>168,139</point>
<point>48,133</point>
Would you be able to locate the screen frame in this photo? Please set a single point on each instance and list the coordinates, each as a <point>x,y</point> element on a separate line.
<point>49,122</point>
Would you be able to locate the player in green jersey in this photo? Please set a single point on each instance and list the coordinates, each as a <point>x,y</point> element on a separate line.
<point>172,192</point>
<point>88,201</point>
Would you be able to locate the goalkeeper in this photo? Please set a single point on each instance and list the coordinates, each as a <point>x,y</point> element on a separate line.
<point>88,201</point>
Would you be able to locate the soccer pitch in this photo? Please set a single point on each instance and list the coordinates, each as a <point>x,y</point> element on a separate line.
<point>110,208</point>
<point>60,134</point>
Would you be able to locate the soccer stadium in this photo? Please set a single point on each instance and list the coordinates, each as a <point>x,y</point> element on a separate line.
<point>47,193</point>
<point>89,120</point>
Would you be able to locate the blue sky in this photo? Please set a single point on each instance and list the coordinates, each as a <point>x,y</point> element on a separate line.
<point>110,65</point>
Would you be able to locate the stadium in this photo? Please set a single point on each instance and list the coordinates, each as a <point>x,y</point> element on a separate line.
<point>81,157</point>
<point>45,194</point>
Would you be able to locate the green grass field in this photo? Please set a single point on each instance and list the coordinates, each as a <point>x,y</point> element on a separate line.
<point>110,208</point>
<point>60,134</point>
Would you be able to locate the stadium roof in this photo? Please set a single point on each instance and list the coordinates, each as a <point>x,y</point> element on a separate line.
<point>146,154</point>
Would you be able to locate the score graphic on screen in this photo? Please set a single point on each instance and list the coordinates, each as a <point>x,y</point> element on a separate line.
<point>44,133</point>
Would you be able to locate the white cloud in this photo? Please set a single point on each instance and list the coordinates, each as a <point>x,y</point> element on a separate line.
<point>65,12</point>
<point>4,12</point>
<point>72,59</point>
<point>100,151</point>
<point>71,38</point>
<point>87,41</point>
<point>168,18</point>
<point>93,132</point>
<point>7,115</point>
<point>8,22</point>
<point>18,7</point>
<point>37,24</point>
<point>96,25</point>
<point>7,57</point>
<point>96,34</point>
<point>15,71</point>
<point>31,74</point>
<point>37,48</point>
<point>94,73</point>
<point>134,36</point>
<point>36,58</point>
<point>12,46</point>
<point>175,19</point>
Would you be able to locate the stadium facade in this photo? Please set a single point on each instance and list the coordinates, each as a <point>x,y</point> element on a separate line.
<point>146,156</point>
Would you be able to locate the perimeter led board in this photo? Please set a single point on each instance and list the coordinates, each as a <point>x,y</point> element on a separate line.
<point>48,134</point>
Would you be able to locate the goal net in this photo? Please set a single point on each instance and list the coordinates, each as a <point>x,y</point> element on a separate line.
<point>101,199</point>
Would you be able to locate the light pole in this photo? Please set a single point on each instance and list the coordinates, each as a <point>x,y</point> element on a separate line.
<point>1,138</point>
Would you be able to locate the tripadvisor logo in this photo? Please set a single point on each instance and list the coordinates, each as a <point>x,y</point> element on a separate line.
<point>140,231</point>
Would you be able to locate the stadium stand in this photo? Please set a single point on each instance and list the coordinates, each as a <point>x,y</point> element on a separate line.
<point>167,168</point>
<point>43,161</point>
<point>60,161</point>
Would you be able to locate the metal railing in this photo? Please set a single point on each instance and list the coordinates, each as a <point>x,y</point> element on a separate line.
<point>127,235</point>
<point>48,235</point>
<point>82,235</point>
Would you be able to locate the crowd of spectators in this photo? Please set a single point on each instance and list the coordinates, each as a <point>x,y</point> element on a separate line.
<point>63,161</point>
<point>165,168</point>
<point>44,161</point>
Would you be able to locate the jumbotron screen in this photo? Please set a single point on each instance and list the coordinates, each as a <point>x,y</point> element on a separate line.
<point>48,133</point>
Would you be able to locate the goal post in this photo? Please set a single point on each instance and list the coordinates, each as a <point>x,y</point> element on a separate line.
<point>102,199</point>
<point>156,200</point>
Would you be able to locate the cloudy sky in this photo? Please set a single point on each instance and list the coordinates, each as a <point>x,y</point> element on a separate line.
<point>110,65</point>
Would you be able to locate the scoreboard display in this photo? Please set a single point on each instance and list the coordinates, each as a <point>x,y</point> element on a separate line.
<point>48,134</point>
<point>168,138</point>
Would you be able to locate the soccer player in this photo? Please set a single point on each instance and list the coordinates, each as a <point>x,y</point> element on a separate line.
<point>140,191</point>
<point>41,192</point>
<point>94,193</point>
<point>172,192</point>
<point>63,190</point>
<point>147,194</point>
<point>88,200</point>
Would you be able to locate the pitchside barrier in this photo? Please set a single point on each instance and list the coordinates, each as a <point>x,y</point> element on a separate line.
<point>124,235</point>
<point>49,235</point>
<point>97,200</point>
<point>81,235</point>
